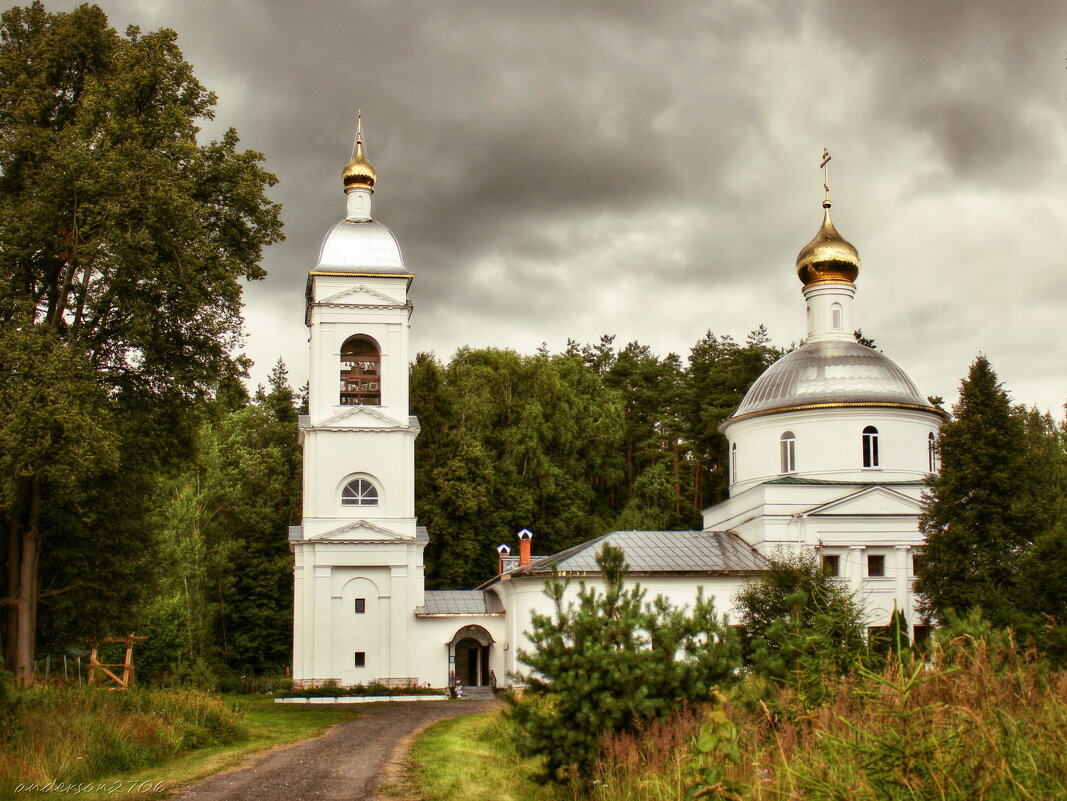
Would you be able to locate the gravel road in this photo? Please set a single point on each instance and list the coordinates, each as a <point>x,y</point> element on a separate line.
<point>343,765</point>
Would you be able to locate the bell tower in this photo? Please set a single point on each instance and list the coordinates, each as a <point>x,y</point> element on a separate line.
<point>358,550</point>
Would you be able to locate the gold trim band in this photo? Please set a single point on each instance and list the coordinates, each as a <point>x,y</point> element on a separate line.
<point>839,405</point>
<point>362,275</point>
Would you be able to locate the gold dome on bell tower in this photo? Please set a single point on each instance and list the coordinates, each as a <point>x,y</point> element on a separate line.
<point>359,172</point>
<point>829,256</point>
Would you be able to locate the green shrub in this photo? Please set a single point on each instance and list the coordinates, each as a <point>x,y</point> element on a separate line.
<point>802,629</point>
<point>613,661</point>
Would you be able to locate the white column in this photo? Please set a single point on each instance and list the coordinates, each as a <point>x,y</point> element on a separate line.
<point>903,594</point>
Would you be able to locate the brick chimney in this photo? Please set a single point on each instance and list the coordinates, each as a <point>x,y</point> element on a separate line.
<point>504,552</point>
<point>525,536</point>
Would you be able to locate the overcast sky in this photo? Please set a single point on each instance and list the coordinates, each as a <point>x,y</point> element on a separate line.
<point>560,170</point>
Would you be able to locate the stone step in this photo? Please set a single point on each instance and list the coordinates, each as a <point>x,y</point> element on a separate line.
<point>478,692</point>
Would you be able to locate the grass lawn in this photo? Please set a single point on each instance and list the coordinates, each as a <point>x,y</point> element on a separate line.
<point>269,725</point>
<point>475,758</point>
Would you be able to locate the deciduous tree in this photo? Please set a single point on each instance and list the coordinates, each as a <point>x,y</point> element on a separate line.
<point>126,238</point>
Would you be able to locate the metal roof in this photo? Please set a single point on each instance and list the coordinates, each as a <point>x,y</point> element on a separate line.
<point>460,602</point>
<point>832,372</point>
<point>359,247</point>
<point>659,552</point>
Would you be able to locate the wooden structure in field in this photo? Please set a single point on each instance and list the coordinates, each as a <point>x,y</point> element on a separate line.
<point>96,668</point>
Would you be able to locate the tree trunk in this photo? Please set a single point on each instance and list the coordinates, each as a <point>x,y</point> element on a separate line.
<point>677,482</point>
<point>13,571</point>
<point>28,588</point>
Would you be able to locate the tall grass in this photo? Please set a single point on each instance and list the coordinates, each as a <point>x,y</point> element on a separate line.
<point>983,725</point>
<point>80,734</point>
<point>476,758</point>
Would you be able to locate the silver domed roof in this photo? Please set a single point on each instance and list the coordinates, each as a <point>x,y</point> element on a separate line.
<point>357,247</point>
<point>831,373</point>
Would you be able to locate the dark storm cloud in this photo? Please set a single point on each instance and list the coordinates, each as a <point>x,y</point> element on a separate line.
<point>968,76</point>
<point>561,169</point>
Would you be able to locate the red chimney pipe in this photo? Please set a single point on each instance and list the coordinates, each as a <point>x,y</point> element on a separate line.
<point>504,551</point>
<point>524,547</point>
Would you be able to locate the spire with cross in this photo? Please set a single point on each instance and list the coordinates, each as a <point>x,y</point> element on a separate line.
<point>826,174</point>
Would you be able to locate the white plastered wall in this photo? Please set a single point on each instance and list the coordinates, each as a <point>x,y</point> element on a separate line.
<point>829,444</point>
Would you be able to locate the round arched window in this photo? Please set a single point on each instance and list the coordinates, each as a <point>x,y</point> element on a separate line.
<point>359,492</point>
<point>870,447</point>
<point>360,373</point>
<point>789,452</point>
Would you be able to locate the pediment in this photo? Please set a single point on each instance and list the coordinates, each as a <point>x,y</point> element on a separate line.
<point>869,502</point>
<point>362,531</point>
<point>361,417</point>
<point>362,295</point>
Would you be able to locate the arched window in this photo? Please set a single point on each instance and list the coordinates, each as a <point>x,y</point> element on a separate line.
<point>733,462</point>
<point>835,317</point>
<point>359,492</point>
<point>931,449</point>
<point>870,446</point>
<point>360,373</point>
<point>789,452</point>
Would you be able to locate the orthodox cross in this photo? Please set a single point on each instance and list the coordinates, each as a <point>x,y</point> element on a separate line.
<point>356,146</point>
<point>826,174</point>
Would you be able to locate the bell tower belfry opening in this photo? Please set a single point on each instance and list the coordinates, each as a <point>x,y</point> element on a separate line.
<point>358,550</point>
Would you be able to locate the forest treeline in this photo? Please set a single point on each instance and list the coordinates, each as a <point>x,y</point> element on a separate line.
<point>571,444</point>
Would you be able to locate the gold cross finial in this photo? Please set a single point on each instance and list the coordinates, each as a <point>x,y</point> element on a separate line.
<point>826,174</point>
<point>357,146</point>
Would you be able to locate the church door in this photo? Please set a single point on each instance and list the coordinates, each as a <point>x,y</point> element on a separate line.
<point>468,656</point>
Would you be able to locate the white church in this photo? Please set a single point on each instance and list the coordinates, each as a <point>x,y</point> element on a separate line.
<point>829,453</point>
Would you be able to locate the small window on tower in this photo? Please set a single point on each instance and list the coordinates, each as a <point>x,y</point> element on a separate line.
<point>789,452</point>
<point>733,462</point>
<point>870,446</point>
<point>361,381</point>
<point>876,565</point>
<point>361,658</point>
<point>359,492</point>
<point>836,317</point>
<point>831,564</point>
<point>931,450</point>
<point>361,606</point>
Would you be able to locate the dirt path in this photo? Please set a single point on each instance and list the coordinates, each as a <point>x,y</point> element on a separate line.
<point>343,765</point>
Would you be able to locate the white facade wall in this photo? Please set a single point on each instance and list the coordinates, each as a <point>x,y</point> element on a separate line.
<point>848,521</point>
<point>829,445</point>
<point>429,645</point>
<point>343,553</point>
<point>373,306</point>
<point>524,596</point>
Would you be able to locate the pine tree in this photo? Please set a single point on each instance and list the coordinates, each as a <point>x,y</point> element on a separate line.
<point>612,660</point>
<point>975,517</point>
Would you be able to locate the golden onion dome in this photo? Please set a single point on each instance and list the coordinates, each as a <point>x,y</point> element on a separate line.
<point>359,172</point>
<point>829,256</point>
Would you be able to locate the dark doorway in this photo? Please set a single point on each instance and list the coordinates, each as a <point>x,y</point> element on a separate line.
<point>472,663</point>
